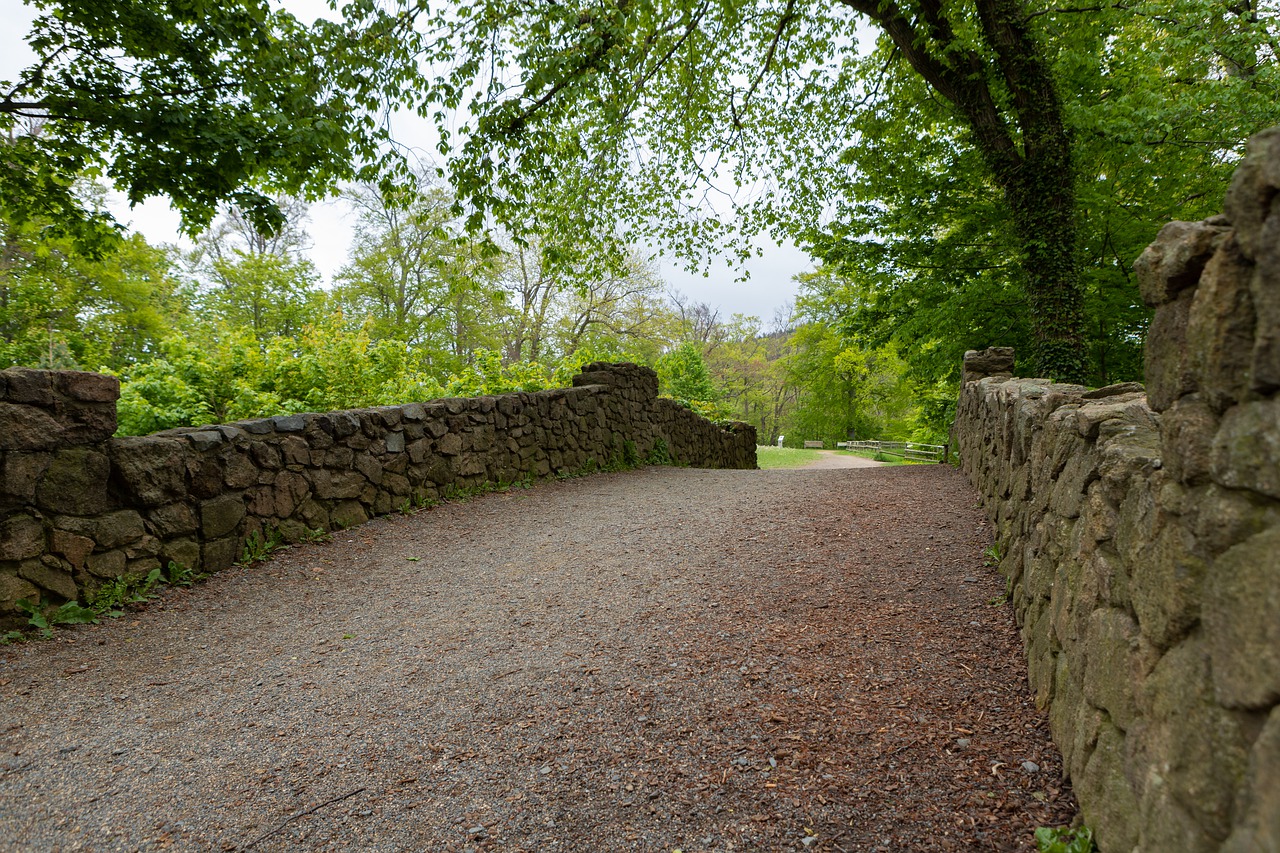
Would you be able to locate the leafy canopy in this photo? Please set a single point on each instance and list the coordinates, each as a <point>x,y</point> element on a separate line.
<point>202,101</point>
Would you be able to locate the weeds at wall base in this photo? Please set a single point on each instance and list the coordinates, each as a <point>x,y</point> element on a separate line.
<point>1064,839</point>
<point>107,602</point>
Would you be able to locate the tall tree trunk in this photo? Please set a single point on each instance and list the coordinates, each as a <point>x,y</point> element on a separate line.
<point>1022,137</point>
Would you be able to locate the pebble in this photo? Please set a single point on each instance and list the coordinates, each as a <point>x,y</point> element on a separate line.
<point>545,770</point>
<point>962,742</point>
<point>1030,767</point>
<point>970,580</point>
<point>808,840</point>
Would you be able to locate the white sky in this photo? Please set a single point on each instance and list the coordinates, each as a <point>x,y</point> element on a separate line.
<point>769,287</point>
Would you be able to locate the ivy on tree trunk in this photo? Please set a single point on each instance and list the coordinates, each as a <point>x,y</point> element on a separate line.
<point>1026,147</point>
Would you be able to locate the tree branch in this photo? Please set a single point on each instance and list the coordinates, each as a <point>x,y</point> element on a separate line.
<point>784,21</point>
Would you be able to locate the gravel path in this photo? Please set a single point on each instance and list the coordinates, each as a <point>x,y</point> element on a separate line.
<point>655,660</point>
<point>834,459</point>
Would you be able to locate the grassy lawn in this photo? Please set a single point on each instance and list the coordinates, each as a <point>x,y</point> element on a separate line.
<point>783,457</point>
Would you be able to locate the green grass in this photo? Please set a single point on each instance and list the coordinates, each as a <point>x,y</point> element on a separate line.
<point>784,457</point>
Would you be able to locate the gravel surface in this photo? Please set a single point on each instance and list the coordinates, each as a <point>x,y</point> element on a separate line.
<point>655,660</point>
<point>835,459</point>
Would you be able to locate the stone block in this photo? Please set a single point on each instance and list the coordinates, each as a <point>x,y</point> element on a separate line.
<point>258,426</point>
<point>1167,365</point>
<point>369,467</point>
<point>337,485</point>
<point>238,472</point>
<point>313,514</point>
<point>204,476</point>
<point>75,483</point>
<point>397,485</point>
<point>1175,260</point>
<point>348,514</point>
<point>86,387</point>
<point>1106,796</point>
<point>1225,517</point>
<point>19,474</point>
<point>470,465</point>
<point>1166,581</point>
<point>1138,522</point>
<point>142,566</point>
<point>25,427</point>
<point>265,455</point>
<point>1264,289</point>
<point>1111,664</point>
<point>1257,825</point>
<point>395,442</point>
<point>344,423</point>
<point>1220,327</point>
<point>291,489</point>
<point>13,588</point>
<point>339,457</point>
<point>1253,190</point>
<point>202,440</point>
<point>149,469</point>
<point>108,564</point>
<point>50,576</point>
<point>290,423</point>
<point>993,361</point>
<point>1187,432</point>
<point>25,385</point>
<point>74,548</point>
<point>1247,447</point>
<point>295,451</point>
<point>109,530</point>
<point>1068,490</point>
<point>184,552</point>
<point>21,537</point>
<point>221,515</point>
<point>1192,752</point>
<point>449,444</point>
<point>173,520</point>
<point>220,554</point>
<point>1242,622</point>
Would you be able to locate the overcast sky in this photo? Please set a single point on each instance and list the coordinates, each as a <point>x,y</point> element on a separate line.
<point>769,287</point>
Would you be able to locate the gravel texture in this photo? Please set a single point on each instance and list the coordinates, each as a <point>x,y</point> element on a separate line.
<point>654,660</point>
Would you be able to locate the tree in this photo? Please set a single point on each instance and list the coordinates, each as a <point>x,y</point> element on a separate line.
<point>1155,122</point>
<point>683,375</point>
<point>256,281</point>
<point>199,101</point>
<point>61,308</point>
<point>665,105</point>
<point>635,65</point>
<point>752,369</point>
<point>414,272</point>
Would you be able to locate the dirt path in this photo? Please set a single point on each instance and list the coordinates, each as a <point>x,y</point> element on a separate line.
<point>656,660</point>
<point>831,459</point>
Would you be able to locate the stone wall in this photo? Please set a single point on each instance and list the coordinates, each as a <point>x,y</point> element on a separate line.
<point>1141,536</point>
<point>78,507</point>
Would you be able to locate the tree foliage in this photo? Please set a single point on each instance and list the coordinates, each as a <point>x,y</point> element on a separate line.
<point>1017,137</point>
<point>198,101</point>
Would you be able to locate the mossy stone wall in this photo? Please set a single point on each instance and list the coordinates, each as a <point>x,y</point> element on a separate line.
<point>1141,532</point>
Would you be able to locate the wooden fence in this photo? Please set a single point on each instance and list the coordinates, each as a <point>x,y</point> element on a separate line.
<point>910,450</point>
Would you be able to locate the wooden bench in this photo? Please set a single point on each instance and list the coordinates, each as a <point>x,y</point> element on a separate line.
<point>813,445</point>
